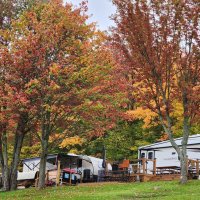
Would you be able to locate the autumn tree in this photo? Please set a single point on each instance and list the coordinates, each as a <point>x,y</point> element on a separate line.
<point>56,79</point>
<point>66,71</point>
<point>11,9</point>
<point>61,39</point>
<point>158,42</point>
<point>14,118</point>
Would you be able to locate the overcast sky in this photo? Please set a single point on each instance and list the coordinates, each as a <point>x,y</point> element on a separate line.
<point>100,10</point>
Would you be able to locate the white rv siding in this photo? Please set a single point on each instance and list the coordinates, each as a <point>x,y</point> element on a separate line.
<point>97,164</point>
<point>34,165</point>
<point>31,165</point>
<point>194,139</point>
<point>166,155</point>
<point>193,151</point>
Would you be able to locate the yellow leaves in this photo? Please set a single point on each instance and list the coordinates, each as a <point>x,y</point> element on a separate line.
<point>71,141</point>
<point>164,137</point>
<point>31,86</point>
<point>5,34</point>
<point>54,69</point>
<point>55,137</point>
<point>134,148</point>
<point>140,113</point>
<point>178,115</point>
<point>35,83</point>
<point>74,151</point>
<point>32,83</point>
<point>177,110</point>
<point>143,88</point>
<point>54,86</point>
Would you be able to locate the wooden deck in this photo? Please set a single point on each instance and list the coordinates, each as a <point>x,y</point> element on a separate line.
<point>164,173</point>
<point>165,177</point>
<point>167,173</point>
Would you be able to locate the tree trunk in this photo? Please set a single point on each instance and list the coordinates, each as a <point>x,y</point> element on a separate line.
<point>181,151</point>
<point>15,162</point>
<point>183,156</point>
<point>184,169</point>
<point>5,178</point>
<point>1,154</point>
<point>46,131</point>
<point>43,160</point>
<point>1,159</point>
<point>6,171</point>
<point>19,137</point>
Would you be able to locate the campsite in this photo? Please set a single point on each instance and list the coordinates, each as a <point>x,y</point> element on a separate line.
<point>71,169</point>
<point>99,99</point>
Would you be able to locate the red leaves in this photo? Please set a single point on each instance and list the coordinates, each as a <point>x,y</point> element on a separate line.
<point>156,45</point>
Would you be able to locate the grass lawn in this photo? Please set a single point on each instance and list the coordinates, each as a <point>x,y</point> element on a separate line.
<point>111,191</point>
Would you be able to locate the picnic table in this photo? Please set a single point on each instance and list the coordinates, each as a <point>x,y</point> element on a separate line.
<point>168,170</point>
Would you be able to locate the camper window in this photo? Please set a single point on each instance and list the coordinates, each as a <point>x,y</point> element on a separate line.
<point>142,155</point>
<point>173,153</point>
<point>150,155</point>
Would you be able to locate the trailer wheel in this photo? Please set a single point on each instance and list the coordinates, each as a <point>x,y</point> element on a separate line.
<point>27,184</point>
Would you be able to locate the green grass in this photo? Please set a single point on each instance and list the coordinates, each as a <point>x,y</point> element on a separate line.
<point>111,191</point>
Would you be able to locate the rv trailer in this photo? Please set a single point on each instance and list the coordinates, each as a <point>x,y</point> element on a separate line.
<point>85,168</point>
<point>166,155</point>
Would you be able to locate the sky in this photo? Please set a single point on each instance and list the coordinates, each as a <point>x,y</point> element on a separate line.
<point>100,11</point>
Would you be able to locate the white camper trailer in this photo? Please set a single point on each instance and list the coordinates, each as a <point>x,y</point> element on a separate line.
<point>31,167</point>
<point>87,167</point>
<point>166,155</point>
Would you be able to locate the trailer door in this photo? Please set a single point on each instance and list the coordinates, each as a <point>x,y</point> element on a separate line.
<point>149,164</point>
